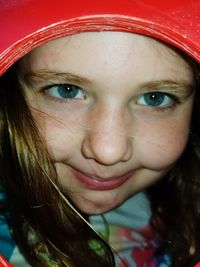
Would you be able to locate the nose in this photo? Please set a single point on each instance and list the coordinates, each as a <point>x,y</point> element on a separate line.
<point>107,140</point>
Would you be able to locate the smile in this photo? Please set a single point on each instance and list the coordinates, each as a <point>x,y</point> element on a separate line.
<point>99,183</point>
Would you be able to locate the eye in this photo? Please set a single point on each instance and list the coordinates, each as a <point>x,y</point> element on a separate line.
<point>65,91</point>
<point>155,99</point>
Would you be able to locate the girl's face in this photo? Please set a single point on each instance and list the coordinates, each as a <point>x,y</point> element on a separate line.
<point>115,111</point>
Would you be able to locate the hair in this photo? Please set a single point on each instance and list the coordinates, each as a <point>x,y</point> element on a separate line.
<point>175,199</point>
<point>48,229</point>
<point>45,225</point>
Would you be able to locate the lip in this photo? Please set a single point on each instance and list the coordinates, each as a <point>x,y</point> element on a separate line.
<point>99,183</point>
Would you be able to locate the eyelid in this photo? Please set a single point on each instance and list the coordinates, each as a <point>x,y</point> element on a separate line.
<point>54,77</point>
<point>175,89</point>
<point>178,94</point>
<point>174,97</point>
<point>49,86</point>
<point>52,84</point>
<point>142,100</point>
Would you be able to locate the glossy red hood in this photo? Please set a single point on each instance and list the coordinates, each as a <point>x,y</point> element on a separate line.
<point>26,24</point>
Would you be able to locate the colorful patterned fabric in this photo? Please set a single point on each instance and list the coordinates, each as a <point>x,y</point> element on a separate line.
<point>127,230</point>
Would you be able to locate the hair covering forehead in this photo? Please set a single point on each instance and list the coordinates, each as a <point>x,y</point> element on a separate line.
<point>25,24</point>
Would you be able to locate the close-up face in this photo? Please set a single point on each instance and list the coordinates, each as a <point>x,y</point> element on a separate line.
<point>114,109</point>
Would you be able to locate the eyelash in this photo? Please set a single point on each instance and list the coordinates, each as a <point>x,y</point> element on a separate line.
<point>69,93</point>
<point>172,100</point>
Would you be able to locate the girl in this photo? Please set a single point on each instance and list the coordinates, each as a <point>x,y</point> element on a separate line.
<point>97,118</point>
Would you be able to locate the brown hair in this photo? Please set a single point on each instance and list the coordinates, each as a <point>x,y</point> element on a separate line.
<point>46,227</point>
<point>175,199</point>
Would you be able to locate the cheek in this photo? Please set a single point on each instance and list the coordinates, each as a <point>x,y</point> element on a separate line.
<point>61,141</point>
<point>61,137</point>
<point>162,144</point>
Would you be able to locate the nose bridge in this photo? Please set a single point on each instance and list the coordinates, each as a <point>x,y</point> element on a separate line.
<point>107,140</point>
<point>107,117</point>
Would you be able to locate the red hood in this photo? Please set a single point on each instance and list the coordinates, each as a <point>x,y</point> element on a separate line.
<point>26,24</point>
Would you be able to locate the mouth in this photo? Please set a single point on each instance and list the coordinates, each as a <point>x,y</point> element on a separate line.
<point>100,183</point>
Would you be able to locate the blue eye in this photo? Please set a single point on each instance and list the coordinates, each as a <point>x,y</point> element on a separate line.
<point>155,99</point>
<point>65,91</point>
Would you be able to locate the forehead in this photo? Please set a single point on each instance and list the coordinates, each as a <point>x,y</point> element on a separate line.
<point>108,49</point>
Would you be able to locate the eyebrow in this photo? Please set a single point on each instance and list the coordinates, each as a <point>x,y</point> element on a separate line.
<point>58,77</point>
<point>169,86</point>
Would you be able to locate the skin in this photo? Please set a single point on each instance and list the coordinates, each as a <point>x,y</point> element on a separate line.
<point>108,141</point>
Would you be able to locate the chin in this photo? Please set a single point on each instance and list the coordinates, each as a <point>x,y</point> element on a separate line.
<point>94,207</point>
